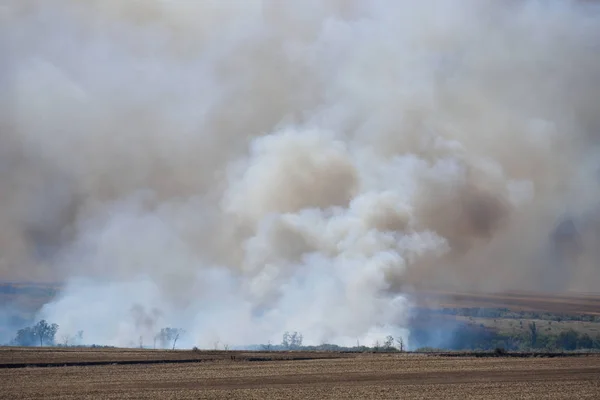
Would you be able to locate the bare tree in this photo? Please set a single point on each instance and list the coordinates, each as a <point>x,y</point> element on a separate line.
<point>292,340</point>
<point>175,336</point>
<point>388,343</point>
<point>376,345</point>
<point>167,336</point>
<point>298,340</point>
<point>65,340</point>
<point>286,340</point>
<point>400,342</point>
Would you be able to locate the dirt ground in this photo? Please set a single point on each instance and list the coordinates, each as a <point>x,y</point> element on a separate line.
<point>44,356</point>
<point>356,376</point>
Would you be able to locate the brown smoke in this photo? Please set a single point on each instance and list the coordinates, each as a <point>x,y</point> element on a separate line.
<point>263,155</point>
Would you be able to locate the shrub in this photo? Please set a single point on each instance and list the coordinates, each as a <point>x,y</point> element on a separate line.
<point>499,351</point>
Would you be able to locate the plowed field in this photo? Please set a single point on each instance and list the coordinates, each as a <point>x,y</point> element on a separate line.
<point>351,376</point>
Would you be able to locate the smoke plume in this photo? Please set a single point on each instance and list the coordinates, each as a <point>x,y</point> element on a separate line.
<point>243,168</point>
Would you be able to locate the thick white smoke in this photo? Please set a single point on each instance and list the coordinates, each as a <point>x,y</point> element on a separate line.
<point>243,168</point>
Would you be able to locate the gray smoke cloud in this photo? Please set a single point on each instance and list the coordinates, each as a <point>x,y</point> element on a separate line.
<point>243,168</point>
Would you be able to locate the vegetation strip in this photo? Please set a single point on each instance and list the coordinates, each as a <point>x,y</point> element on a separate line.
<point>501,353</point>
<point>302,358</point>
<point>140,362</point>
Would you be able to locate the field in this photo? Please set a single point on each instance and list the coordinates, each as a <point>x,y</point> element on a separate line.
<point>14,357</point>
<point>72,373</point>
<point>435,314</point>
<point>512,326</point>
<point>510,314</point>
<point>302,375</point>
<point>567,303</point>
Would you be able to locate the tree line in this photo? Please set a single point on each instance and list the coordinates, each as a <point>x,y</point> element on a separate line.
<point>464,337</point>
<point>293,341</point>
<point>44,333</point>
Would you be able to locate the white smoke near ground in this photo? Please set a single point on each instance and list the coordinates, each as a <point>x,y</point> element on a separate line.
<point>240,169</point>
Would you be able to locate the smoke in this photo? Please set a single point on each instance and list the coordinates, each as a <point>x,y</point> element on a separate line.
<point>242,168</point>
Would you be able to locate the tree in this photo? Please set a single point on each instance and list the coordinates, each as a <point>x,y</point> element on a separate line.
<point>567,340</point>
<point>585,342</point>
<point>388,343</point>
<point>292,340</point>
<point>175,335</point>
<point>296,340</point>
<point>376,345</point>
<point>400,342</point>
<point>533,333</point>
<point>286,340</point>
<point>45,332</point>
<point>25,337</point>
<point>79,337</point>
<point>168,335</point>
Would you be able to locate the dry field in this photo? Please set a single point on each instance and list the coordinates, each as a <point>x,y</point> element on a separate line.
<point>147,374</point>
<point>353,376</point>
<point>515,326</point>
<point>13,357</point>
<point>555,303</point>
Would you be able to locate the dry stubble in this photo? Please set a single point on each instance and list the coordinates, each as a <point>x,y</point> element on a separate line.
<point>362,376</point>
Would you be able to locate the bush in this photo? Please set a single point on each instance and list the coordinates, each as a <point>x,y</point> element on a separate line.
<point>567,340</point>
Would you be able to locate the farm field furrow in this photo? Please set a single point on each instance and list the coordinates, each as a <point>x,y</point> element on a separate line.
<point>358,376</point>
<point>53,355</point>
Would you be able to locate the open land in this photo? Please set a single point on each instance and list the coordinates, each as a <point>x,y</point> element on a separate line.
<point>512,313</point>
<point>568,303</point>
<point>19,357</point>
<point>107,373</point>
<point>302,375</point>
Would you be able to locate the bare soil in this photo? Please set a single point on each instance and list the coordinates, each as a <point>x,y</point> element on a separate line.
<point>53,356</point>
<point>348,376</point>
